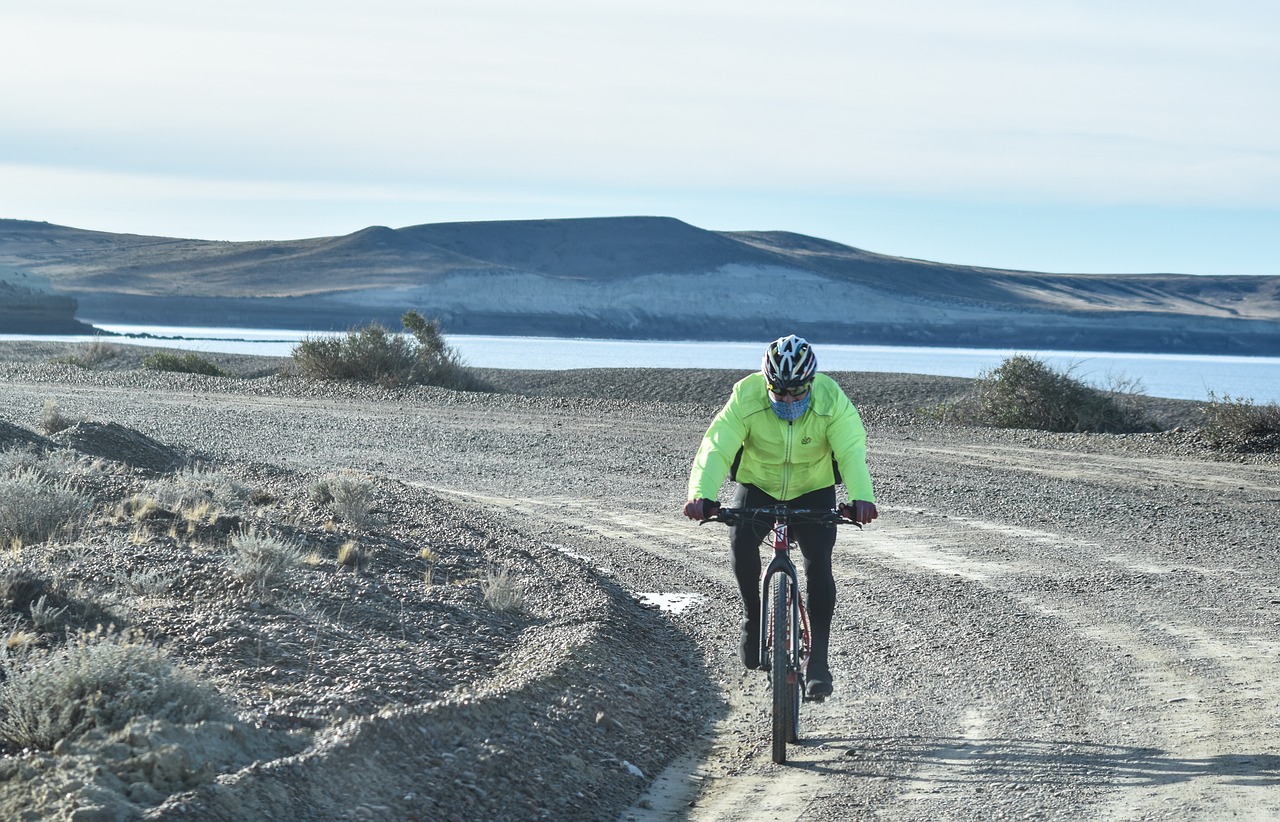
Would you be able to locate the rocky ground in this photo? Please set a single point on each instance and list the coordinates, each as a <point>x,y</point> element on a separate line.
<point>1039,626</point>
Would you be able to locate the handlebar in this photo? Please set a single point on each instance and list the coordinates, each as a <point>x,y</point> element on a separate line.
<point>781,513</point>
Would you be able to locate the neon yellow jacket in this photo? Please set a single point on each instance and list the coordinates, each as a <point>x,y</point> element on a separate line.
<point>784,459</point>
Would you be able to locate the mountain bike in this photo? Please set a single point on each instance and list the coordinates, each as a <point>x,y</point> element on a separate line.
<point>784,622</point>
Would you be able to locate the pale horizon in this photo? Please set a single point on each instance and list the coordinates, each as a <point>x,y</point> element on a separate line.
<point>1084,137</point>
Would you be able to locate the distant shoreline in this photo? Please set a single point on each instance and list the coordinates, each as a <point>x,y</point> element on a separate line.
<point>1212,345</point>
<point>874,392</point>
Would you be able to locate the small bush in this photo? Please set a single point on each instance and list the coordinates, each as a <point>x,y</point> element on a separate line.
<point>91,354</point>
<point>1026,392</point>
<point>35,509</point>
<point>61,464</point>
<point>502,591</point>
<point>1242,424</point>
<point>97,352</point>
<point>21,457</point>
<point>100,680</point>
<point>376,355</point>
<point>20,589</point>
<point>196,487</point>
<point>149,582</point>
<point>260,560</point>
<point>184,364</point>
<point>52,420</point>
<point>431,558</point>
<point>437,362</point>
<point>349,494</point>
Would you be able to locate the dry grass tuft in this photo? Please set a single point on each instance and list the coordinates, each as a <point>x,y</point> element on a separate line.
<point>354,556</point>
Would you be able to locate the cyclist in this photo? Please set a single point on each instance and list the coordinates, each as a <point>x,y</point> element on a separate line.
<point>787,434</point>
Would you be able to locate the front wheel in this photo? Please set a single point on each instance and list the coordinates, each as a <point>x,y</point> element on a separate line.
<point>781,676</point>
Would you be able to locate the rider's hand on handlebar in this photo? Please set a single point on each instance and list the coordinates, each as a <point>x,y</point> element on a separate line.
<point>701,509</point>
<point>859,511</point>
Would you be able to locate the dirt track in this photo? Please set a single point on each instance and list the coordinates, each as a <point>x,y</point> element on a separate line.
<point>1038,626</point>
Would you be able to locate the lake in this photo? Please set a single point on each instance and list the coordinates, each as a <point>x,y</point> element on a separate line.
<point>1180,376</point>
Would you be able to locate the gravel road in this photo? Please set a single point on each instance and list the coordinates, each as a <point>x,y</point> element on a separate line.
<point>1039,626</point>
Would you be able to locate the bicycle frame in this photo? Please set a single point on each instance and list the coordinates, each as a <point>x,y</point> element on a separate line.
<point>797,640</point>
<point>784,622</point>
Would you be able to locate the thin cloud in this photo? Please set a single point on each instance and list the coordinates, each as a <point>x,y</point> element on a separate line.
<point>1074,102</point>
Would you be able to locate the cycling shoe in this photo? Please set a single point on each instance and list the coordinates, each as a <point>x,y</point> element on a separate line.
<point>749,646</point>
<point>818,683</point>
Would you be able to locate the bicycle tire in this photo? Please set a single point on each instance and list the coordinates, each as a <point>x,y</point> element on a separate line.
<point>796,686</point>
<point>783,710</point>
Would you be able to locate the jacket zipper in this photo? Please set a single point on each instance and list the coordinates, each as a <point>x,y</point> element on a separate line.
<point>786,459</point>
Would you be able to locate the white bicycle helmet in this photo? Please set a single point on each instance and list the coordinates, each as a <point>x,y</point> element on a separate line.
<point>789,363</point>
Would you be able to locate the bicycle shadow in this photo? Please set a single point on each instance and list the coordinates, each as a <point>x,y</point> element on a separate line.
<point>1077,763</point>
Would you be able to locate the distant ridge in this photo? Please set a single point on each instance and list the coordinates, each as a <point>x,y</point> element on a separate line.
<point>635,277</point>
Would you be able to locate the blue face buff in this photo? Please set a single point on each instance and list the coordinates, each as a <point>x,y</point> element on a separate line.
<point>791,410</point>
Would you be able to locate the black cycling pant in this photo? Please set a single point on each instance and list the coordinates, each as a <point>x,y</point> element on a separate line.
<point>816,541</point>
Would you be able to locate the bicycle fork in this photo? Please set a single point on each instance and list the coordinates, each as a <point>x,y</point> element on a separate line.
<point>797,641</point>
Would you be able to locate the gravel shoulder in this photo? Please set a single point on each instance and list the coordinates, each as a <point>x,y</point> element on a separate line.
<point>1039,626</point>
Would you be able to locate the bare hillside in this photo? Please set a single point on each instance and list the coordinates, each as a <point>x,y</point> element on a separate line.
<point>635,277</point>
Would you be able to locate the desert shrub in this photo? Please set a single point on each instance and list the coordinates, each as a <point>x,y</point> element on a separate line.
<point>60,464</point>
<point>188,363</point>
<point>194,496</point>
<point>20,589</point>
<point>431,560</point>
<point>437,362</point>
<point>260,561</point>
<point>30,601</point>
<point>376,355</point>
<point>195,487</point>
<point>100,680</point>
<point>21,457</point>
<point>502,590</point>
<point>370,354</point>
<point>35,509</point>
<point>1026,392</point>
<point>1241,423</point>
<point>348,494</point>
<point>97,352</point>
<point>146,582</point>
<point>52,420</point>
<point>91,354</point>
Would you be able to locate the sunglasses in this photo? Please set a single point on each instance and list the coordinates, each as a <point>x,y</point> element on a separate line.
<point>798,391</point>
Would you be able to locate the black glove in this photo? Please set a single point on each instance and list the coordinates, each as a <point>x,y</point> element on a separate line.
<point>701,509</point>
<point>859,512</point>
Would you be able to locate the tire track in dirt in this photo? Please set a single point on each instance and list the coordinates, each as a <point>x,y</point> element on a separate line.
<point>1162,745</point>
<point>1203,702</point>
<point>1119,470</point>
<point>1165,738</point>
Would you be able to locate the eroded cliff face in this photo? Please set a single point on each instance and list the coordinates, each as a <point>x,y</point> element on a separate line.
<point>29,306</point>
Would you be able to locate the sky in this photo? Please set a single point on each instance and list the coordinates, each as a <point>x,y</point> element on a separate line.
<point>1084,136</point>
